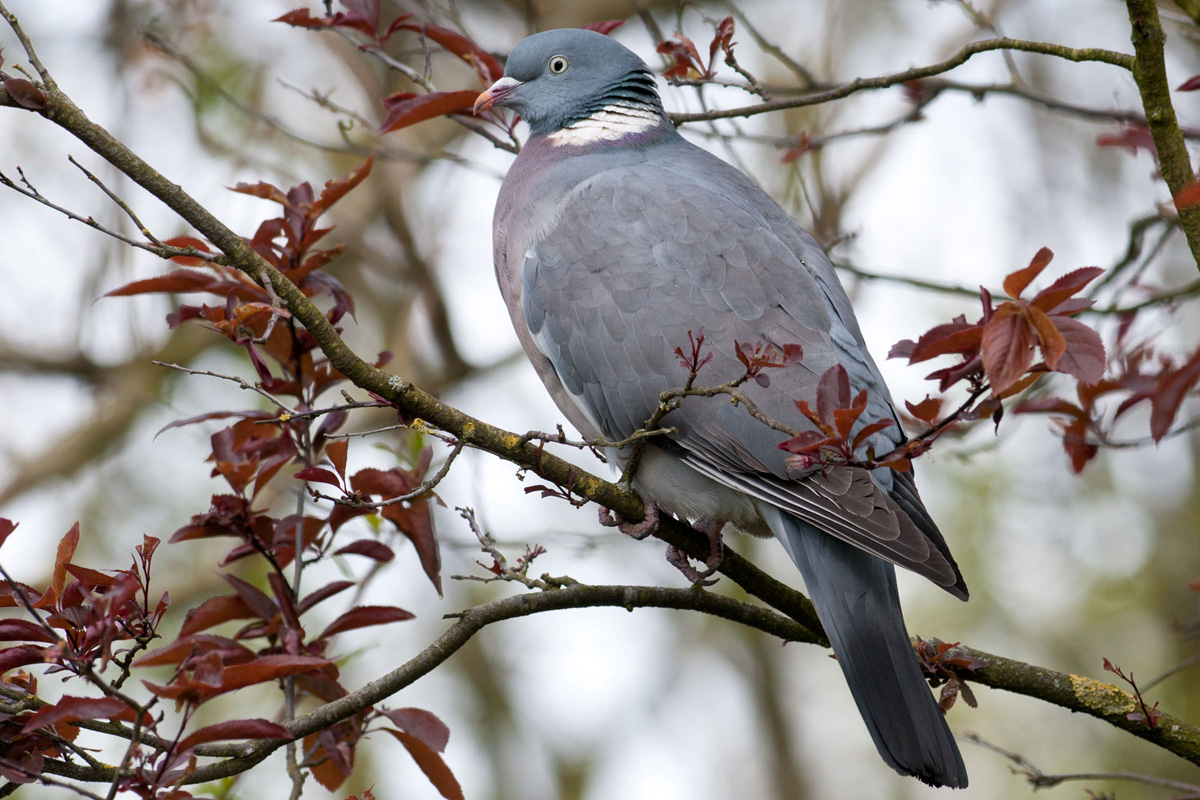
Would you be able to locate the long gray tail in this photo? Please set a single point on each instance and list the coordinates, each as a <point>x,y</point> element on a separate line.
<point>856,598</point>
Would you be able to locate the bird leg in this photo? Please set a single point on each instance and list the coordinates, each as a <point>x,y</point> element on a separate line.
<point>638,530</point>
<point>716,554</point>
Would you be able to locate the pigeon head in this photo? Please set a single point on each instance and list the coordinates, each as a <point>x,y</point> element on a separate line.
<point>579,83</point>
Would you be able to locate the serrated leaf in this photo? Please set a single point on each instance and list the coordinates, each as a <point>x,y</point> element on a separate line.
<point>1016,282</point>
<point>1084,355</point>
<point>1007,349</point>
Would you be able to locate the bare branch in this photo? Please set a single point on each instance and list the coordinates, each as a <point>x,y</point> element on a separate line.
<point>916,73</point>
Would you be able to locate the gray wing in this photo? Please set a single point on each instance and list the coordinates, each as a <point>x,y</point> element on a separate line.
<point>641,256</point>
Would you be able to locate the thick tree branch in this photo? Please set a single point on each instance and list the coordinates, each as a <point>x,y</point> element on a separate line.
<point>1085,695</point>
<point>1150,72</point>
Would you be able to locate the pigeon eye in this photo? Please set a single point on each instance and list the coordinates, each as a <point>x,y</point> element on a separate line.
<point>558,65</point>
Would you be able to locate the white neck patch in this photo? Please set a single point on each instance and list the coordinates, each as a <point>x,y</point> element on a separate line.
<point>606,125</point>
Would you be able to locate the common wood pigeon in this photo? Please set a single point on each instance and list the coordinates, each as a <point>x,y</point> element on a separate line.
<point>614,239</point>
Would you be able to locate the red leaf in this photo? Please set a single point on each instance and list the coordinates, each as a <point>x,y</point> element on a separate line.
<point>1051,342</point>
<point>66,551</point>
<point>74,709</point>
<point>23,630</point>
<point>181,280</point>
<point>188,241</point>
<point>1169,394</point>
<point>927,410</point>
<point>422,724</point>
<point>833,392</point>
<point>324,593</point>
<point>958,337</point>
<point>1084,356</point>
<point>606,27</point>
<point>26,95</point>
<point>406,109</point>
<point>1016,282</point>
<point>431,764</point>
<point>7,526</point>
<point>1007,348</point>
<point>236,729</point>
<point>266,191</point>
<point>1190,85</point>
<point>336,451</point>
<point>370,548</point>
<point>386,483</point>
<point>870,430</point>
<point>92,577</point>
<point>336,190</point>
<point>256,599</point>
<point>484,63</point>
<point>416,523</point>
<point>319,475</point>
<point>193,647</point>
<point>365,616</point>
<point>1055,294</point>
<point>21,656</point>
<point>267,668</point>
<point>214,611</point>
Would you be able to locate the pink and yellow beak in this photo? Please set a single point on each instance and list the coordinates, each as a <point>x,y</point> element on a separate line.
<point>496,94</point>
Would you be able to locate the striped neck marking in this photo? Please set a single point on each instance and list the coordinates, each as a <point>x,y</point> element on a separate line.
<point>609,124</point>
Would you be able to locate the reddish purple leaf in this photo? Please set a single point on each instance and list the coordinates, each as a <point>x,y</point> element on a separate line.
<point>236,729</point>
<point>406,109</point>
<point>256,600</point>
<point>833,392</point>
<point>1172,389</point>
<point>1016,282</point>
<point>1084,356</point>
<point>26,95</point>
<point>74,709</point>
<point>21,656</point>
<point>7,526</point>
<point>181,280</point>
<point>337,189</point>
<point>319,475</point>
<point>214,611</point>
<point>431,764</point>
<point>1007,348</point>
<point>484,63</point>
<point>324,593</point>
<point>422,724</point>
<point>1190,85</point>
<point>1053,296</point>
<point>267,668</point>
<point>195,646</point>
<point>365,616</point>
<point>371,548</point>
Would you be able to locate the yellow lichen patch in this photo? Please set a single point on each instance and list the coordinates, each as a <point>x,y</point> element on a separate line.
<point>468,430</point>
<point>512,441</point>
<point>1102,697</point>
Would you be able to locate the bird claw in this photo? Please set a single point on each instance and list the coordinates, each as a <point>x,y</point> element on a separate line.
<point>716,554</point>
<point>637,530</point>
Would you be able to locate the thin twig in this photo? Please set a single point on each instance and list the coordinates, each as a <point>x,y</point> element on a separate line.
<point>916,73</point>
<point>242,382</point>
<point>157,248</point>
